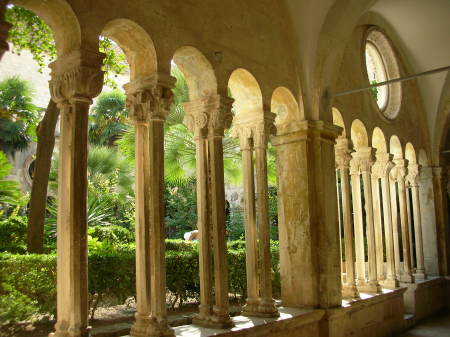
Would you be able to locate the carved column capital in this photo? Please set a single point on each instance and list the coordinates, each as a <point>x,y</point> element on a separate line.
<point>149,98</point>
<point>76,77</point>
<point>208,114</point>
<point>383,165</point>
<point>412,178</point>
<point>399,170</point>
<point>258,129</point>
<point>342,153</point>
<point>362,160</point>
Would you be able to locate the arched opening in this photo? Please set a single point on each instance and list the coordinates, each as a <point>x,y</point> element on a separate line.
<point>379,141</point>
<point>395,147</point>
<point>247,96</point>
<point>339,120</point>
<point>359,135</point>
<point>284,105</point>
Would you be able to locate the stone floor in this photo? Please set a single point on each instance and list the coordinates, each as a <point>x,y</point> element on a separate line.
<point>438,326</point>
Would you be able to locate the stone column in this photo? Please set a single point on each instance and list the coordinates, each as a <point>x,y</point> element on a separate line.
<point>395,222</point>
<point>207,117</point>
<point>4,28</point>
<point>398,174</point>
<point>149,100</point>
<point>75,80</point>
<point>381,170</point>
<point>365,158</point>
<point>343,157</point>
<point>358,223</point>
<point>263,130</point>
<point>309,238</point>
<point>442,228</point>
<point>377,218</point>
<point>412,178</point>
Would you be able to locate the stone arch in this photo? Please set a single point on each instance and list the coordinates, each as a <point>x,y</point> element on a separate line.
<point>197,70</point>
<point>60,17</point>
<point>423,158</point>
<point>359,134</point>
<point>284,105</point>
<point>379,140</point>
<point>395,147</point>
<point>136,44</point>
<point>246,93</point>
<point>338,120</point>
<point>410,153</point>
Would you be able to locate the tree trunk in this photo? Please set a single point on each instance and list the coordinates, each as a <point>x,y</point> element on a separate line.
<point>37,207</point>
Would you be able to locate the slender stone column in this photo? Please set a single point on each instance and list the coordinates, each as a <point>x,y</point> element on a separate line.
<point>253,134</point>
<point>381,169</point>
<point>309,238</point>
<point>207,117</point>
<point>263,130</point>
<point>4,28</point>
<point>412,178</point>
<point>251,244</point>
<point>442,230</point>
<point>149,100</point>
<point>395,222</point>
<point>366,162</point>
<point>398,174</point>
<point>378,224</point>
<point>410,224</point>
<point>75,80</point>
<point>358,223</point>
<point>196,120</point>
<point>343,157</point>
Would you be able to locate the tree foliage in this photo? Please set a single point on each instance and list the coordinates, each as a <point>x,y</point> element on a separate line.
<point>18,116</point>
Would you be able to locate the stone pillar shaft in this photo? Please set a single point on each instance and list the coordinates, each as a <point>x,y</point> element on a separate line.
<point>395,227</point>
<point>378,226</point>
<point>359,232</point>
<point>75,80</point>
<point>148,100</point>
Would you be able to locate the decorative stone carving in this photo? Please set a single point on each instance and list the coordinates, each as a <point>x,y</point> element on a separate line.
<point>382,166</point>
<point>412,178</point>
<point>149,98</point>
<point>342,153</point>
<point>362,160</point>
<point>76,77</point>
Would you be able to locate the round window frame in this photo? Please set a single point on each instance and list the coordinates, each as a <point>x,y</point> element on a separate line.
<point>384,47</point>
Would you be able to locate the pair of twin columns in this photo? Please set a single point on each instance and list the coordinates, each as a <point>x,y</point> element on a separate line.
<point>389,176</point>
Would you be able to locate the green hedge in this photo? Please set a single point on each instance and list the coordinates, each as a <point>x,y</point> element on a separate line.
<point>31,279</point>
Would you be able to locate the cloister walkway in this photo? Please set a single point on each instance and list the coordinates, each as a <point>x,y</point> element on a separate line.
<point>438,326</point>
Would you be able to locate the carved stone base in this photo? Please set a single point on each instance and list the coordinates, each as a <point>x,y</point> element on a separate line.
<point>370,287</point>
<point>139,328</point>
<point>159,329</point>
<point>263,309</point>
<point>407,278</point>
<point>213,322</point>
<point>350,291</point>
<point>64,332</point>
<point>420,275</point>
<point>390,283</point>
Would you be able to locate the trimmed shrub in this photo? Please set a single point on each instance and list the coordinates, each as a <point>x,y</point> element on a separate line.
<point>29,281</point>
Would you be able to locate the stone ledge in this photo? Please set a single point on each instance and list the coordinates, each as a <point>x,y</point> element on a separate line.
<point>290,318</point>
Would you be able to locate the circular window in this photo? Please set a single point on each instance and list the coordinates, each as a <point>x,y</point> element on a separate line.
<point>381,65</point>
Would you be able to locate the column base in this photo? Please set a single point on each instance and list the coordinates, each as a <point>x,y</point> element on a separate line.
<point>139,328</point>
<point>213,322</point>
<point>80,332</point>
<point>159,329</point>
<point>420,276</point>
<point>350,291</point>
<point>370,287</point>
<point>407,278</point>
<point>390,284</point>
<point>263,309</point>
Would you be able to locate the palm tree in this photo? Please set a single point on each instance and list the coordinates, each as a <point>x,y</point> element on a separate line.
<point>107,118</point>
<point>18,115</point>
<point>9,190</point>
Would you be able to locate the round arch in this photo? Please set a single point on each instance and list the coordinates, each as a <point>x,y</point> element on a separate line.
<point>423,158</point>
<point>197,70</point>
<point>246,93</point>
<point>410,153</point>
<point>359,134</point>
<point>338,120</point>
<point>395,147</point>
<point>60,17</point>
<point>379,140</point>
<point>284,105</point>
<point>136,44</point>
